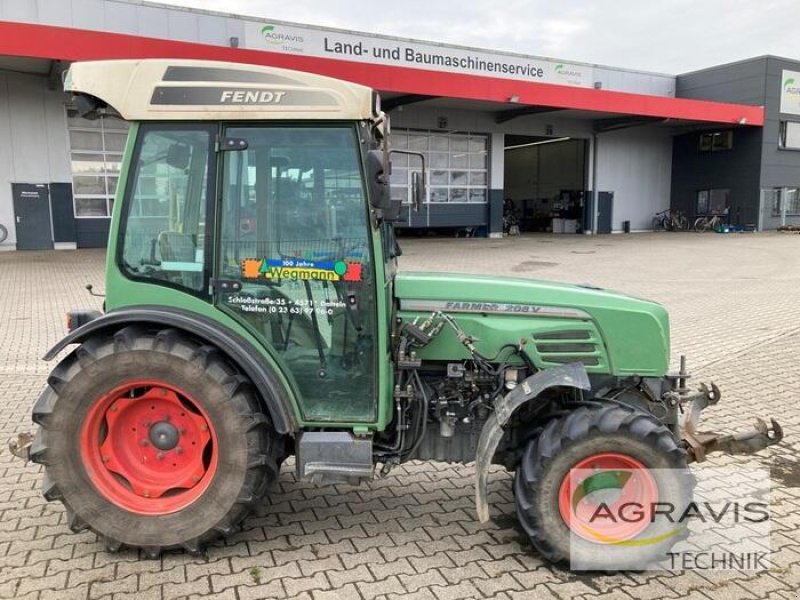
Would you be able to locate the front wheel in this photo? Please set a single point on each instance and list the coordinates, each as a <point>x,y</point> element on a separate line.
<point>153,441</point>
<point>701,225</point>
<point>586,488</point>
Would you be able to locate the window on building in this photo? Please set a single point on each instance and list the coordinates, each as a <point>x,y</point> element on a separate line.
<point>789,135</point>
<point>715,141</point>
<point>96,148</point>
<point>785,201</point>
<point>713,202</point>
<point>457,163</point>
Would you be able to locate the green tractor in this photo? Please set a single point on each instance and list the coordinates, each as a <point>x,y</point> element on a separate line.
<point>254,311</point>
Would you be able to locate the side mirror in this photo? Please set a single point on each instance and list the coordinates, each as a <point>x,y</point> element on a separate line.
<point>378,170</point>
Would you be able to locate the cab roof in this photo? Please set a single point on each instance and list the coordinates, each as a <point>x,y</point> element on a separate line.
<point>158,89</point>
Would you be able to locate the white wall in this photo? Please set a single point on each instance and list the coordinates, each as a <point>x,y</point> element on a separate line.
<point>635,164</point>
<point>34,147</point>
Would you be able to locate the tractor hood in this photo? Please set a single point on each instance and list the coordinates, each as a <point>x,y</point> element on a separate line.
<point>609,332</point>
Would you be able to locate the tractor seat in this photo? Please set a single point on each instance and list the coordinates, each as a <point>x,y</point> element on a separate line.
<point>176,247</point>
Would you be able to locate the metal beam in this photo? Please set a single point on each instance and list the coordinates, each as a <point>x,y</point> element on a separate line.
<point>603,125</point>
<point>507,115</point>
<point>389,104</point>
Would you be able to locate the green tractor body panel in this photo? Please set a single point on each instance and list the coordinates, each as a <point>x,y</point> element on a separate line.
<point>557,323</point>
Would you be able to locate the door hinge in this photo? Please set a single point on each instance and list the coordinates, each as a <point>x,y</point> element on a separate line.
<point>230,144</point>
<point>226,285</point>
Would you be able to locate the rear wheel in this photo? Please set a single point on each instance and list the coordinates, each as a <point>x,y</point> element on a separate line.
<point>702,224</point>
<point>589,468</point>
<point>153,441</point>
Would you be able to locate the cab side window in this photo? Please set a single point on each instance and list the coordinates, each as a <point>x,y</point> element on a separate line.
<point>164,228</point>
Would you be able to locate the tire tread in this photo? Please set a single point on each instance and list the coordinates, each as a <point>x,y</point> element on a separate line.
<point>580,424</point>
<point>265,446</point>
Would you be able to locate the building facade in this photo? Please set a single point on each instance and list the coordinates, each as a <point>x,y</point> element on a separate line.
<point>572,147</point>
<point>751,175</point>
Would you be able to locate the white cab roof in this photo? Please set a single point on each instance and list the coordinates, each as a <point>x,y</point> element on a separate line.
<point>158,89</point>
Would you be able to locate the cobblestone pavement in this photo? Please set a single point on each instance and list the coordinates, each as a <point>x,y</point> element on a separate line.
<point>735,306</point>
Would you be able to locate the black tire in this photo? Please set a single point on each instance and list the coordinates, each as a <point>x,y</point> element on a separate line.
<point>246,446</point>
<point>3,234</point>
<point>657,224</point>
<point>564,443</point>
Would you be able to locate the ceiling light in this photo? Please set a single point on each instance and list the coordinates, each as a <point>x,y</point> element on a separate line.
<point>561,139</point>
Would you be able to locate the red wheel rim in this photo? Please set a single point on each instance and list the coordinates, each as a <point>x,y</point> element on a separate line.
<point>608,498</point>
<point>149,448</point>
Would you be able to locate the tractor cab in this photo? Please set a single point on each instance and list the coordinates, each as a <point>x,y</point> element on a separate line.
<point>247,189</point>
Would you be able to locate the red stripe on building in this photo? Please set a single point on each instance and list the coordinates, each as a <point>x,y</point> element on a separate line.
<point>60,43</point>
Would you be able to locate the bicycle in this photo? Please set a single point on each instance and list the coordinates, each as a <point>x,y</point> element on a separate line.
<point>3,234</point>
<point>669,220</point>
<point>660,220</point>
<point>679,221</point>
<point>707,223</point>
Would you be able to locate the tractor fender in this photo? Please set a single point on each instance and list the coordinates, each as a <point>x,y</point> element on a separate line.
<point>572,375</point>
<point>233,345</point>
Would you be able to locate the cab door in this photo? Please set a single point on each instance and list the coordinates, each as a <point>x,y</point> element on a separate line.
<point>294,237</point>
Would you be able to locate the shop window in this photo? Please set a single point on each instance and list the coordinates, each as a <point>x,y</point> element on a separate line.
<point>712,202</point>
<point>96,148</point>
<point>716,141</point>
<point>785,201</point>
<point>457,165</point>
<point>789,135</point>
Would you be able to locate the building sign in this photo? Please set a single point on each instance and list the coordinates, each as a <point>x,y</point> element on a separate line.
<point>311,41</point>
<point>790,92</point>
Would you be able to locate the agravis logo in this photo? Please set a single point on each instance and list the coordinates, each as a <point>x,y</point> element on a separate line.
<point>790,87</point>
<point>565,72</point>
<point>619,506</point>
<point>616,507</point>
<point>271,36</point>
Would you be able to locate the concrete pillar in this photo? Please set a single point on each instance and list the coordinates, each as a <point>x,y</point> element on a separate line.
<point>496,184</point>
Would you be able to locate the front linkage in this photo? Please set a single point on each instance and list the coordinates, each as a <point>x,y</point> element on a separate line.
<point>688,403</point>
<point>699,444</point>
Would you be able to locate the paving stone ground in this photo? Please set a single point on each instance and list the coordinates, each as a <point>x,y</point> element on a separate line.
<point>734,302</point>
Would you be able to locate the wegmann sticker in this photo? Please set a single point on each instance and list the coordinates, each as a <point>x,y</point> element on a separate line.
<point>297,269</point>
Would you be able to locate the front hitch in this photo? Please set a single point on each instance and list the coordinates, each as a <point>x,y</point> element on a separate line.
<point>746,442</point>
<point>699,444</point>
